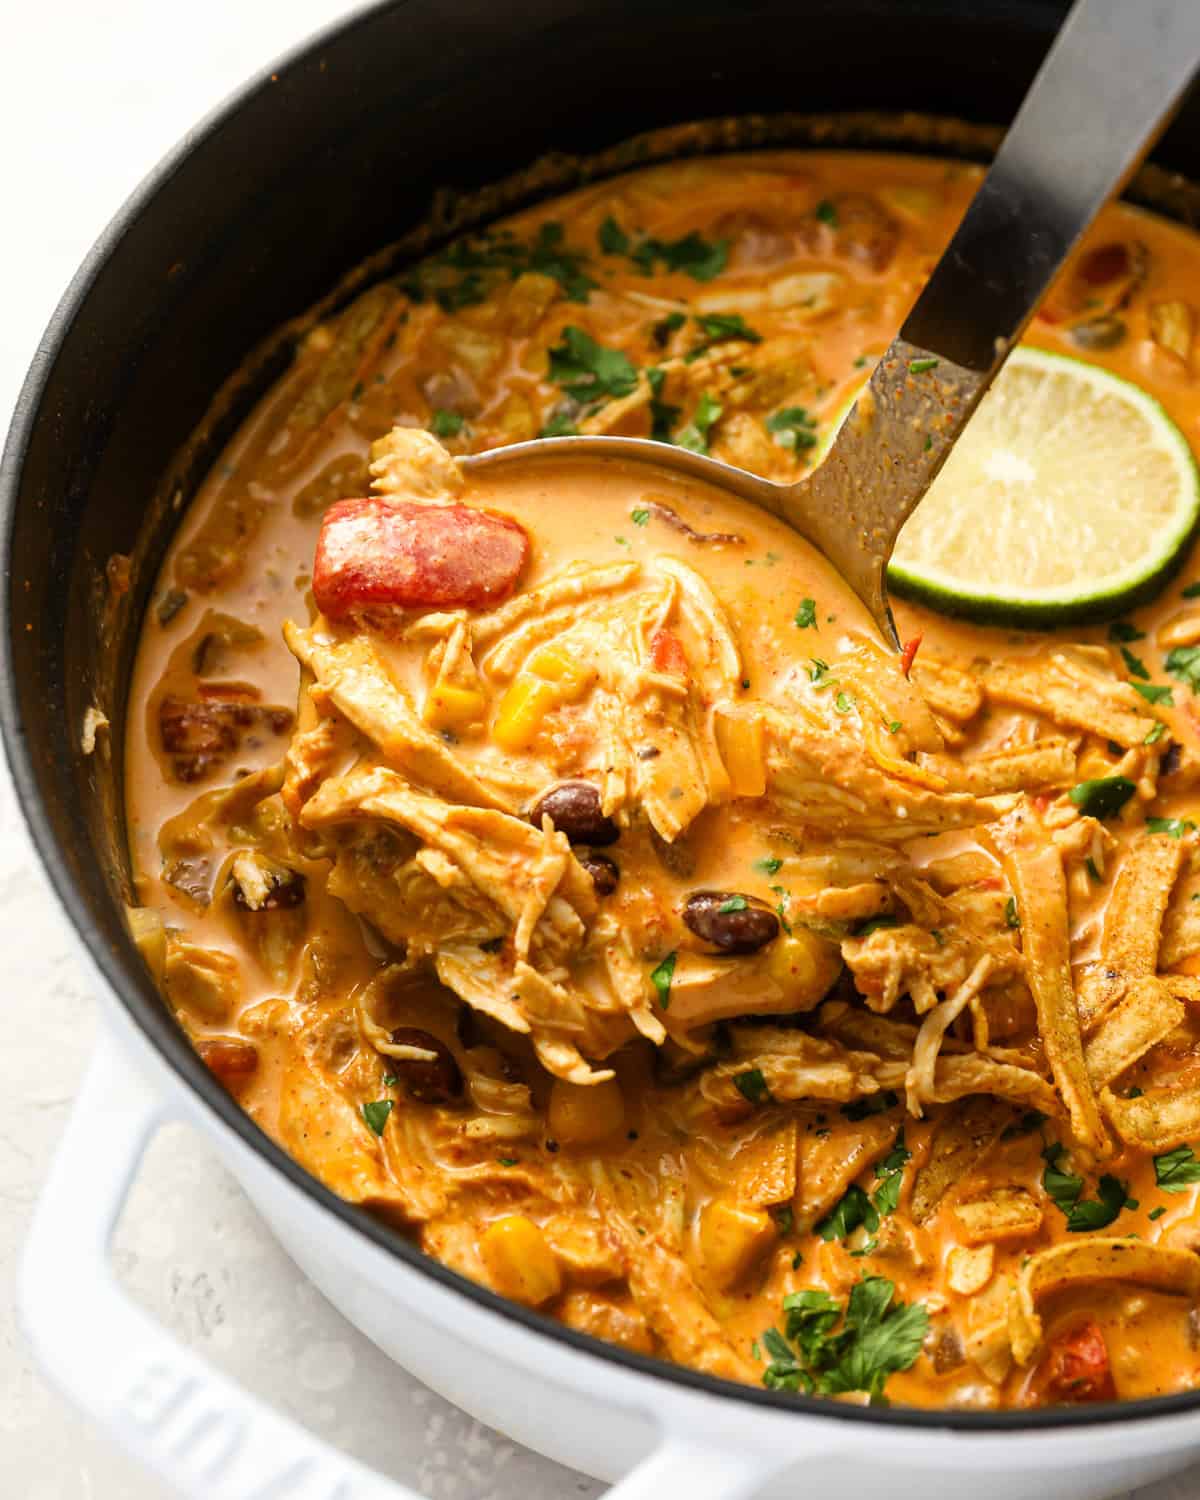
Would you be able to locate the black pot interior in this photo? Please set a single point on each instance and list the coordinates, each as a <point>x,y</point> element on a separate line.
<point>316,165</point>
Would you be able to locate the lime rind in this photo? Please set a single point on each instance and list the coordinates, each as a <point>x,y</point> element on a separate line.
<point>1100,599</point>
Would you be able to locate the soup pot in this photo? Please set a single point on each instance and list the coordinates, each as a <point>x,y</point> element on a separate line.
<point>334,152</point>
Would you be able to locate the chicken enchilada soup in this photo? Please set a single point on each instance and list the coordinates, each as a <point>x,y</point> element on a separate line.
<point>556,864</point>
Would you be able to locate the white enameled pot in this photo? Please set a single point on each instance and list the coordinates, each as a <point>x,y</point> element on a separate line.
<point>651,1434</point>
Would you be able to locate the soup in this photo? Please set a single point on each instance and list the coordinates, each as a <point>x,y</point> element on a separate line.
<point>556,865</point>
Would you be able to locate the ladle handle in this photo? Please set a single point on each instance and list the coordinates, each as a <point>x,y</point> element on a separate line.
<point>1108,86</point>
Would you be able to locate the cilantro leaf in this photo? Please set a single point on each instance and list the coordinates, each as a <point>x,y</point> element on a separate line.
<point>1065,1191</point>
<point>1174,828</point>
<point>767,866</point>
<point>639,517</point>
<point>445,423</point>
<point>1103,797</point>
<point>843,703</point>
<point>661,331</point>
<point>376,1114</point>
<point>586,369</point>
<point>694,437</point>
<point>1011,915</point>
<point>1176,1170</point>
<point>612,238</point>
<point>851,1210</point>
<point>826,212</point>
<point>752,1085</point>
<point>718,326</point>
<point>920,366</point>
<point>810,1317</point>
<point>692,254</point>
<point>889,1174</point>
<point>792,428</point>
<point>661,977</point>
<point>1134,665</point>
<point>806,615</point>
<point>1122,630</point>
<point>733,903</point>
<point>1154,693</point>
<point>1184,662</point>
<point>873,1104</point>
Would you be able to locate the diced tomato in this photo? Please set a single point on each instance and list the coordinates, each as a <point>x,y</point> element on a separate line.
<point>375,554</point>
<point>907,655</point>
<point>667,653</point>
<point>1076,1368</point>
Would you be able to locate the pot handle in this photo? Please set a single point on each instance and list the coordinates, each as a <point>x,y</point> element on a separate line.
<point>193,1426</point>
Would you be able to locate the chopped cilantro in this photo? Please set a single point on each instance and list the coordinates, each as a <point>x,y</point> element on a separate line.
<point>507,1161</point>
<point>919,366</point>
<point>1154,693</point>
<point>612,238</point>
<point>665,327</point>
<point>843,703</point>
<point>1065,1191</point>
<point>793,428</point>
<point>1134,665</point>
<point>694,256</point>
<point>785,1218</point>
<point>1184,662</point>
<point>819,668</point>
<point>445,423</point>
<point>1154,734</point>
<point>376,1114</point>
<point>1176,1170</point>
<point>1031,1120</point>
<point>734,903</point>
<point>1156,1213</point>
<point>661,977</point>
<point>1174,828</point>
<point>1103,797</point>
<point>851,1210</point>
<point>875,924</point>
<point>805,616</point>
<point>878,1337</point>
<point>1192,591</point>
<point>895,727</point>
<point>827,213</point>
<point>889,1174</point>
<point>768,866</point>
<point>1011,916</point>
<point>1122,630</point>
<point>639,517</point>
<point>752,1086</point>
<point>663,415</point>
<point>719,326</point>
<point>500,252</point>
<point>694,437</point>
<point>585,369</point>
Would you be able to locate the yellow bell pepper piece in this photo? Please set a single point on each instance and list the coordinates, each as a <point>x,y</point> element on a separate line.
<point>519,1262</point>
<point>571,676</point>
<point>740,741</point>
<point>456,708</point>
<point>521,712</point>
<point>584,1114</point>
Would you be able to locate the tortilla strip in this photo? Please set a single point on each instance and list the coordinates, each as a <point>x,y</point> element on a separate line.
<point>1156,1121</point>
<point>1132,923</point>
<point>1048,762</point>
<point>1047,688</point>
<point>1181,926</point>
<point>1098,1258</point>
<point>1004,1213</point>
<point>953,694</point>
<point>1147,1013</point>
<point>1036,874</point>
<point>963,1136</point>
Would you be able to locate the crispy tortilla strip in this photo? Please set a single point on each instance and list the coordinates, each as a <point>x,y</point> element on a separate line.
<point>1047,763</point>
<point>1098,1258</point>
<point>1004,1213</point>
<point>1157,1121</point>
<point>358,682</point>
<point>963,1136</point>
<point>829,1162</point>
<point>1133,923</point>
<point>1073,696</point>
<point>1036,874</point>
<point>1181,925</point>
<point>1136,1023</point>
<point>952,693</point>
<point>760,1171</point>
<point>671,1302</point>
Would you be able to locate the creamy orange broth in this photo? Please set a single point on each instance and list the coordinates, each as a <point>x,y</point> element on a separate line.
<point>245,551</point>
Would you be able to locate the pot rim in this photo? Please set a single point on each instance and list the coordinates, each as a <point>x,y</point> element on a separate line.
<point>158,1027</point>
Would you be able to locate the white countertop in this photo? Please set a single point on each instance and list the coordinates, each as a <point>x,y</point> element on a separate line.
<point>90,97</point>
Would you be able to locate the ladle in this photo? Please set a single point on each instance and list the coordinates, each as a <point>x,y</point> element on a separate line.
<point>1107,87</point>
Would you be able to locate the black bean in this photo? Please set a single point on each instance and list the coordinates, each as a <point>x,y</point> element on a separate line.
<point>603,871</point>
<point>730,921</point>
<point>1172,760</point>
<point>574,808</point>
<point>436,1080</point>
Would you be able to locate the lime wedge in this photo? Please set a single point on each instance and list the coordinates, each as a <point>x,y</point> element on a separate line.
<point>1068,497</point>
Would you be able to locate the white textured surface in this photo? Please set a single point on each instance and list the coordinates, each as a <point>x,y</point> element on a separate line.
<point>90,97</point>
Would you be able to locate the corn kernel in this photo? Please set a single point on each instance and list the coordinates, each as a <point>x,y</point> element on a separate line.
<point>804,964</point>
<point>519,1262</point>
<point>457,708</point>
<point>740,741</point>
<point>571,676</point>
<point>521,712</point>
<point>583,1114</point>
<point>731,1238</point>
